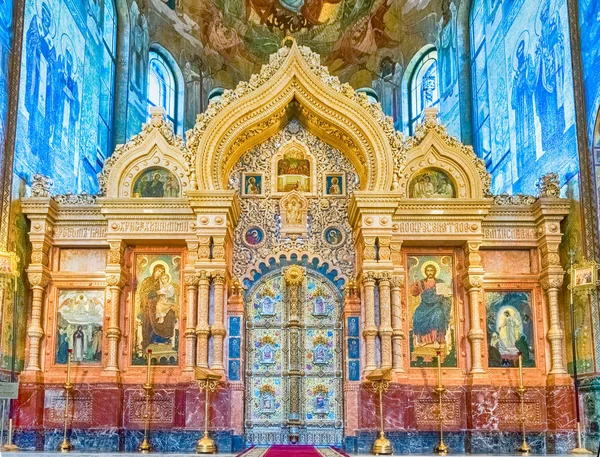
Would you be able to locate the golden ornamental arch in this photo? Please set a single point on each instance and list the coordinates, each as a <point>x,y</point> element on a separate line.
<point>294,84</point>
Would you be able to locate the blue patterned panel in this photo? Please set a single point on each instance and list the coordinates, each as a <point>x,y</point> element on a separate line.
<point>354,370</point>
<point>234,325</point>
<point>234,370</point>
<point>353,348</point>
<point>353,328</point>
<point>234,348</point>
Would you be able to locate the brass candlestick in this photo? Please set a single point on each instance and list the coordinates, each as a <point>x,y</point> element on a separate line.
<point>380,381</point>
<point>145,447</point>
<point>524,448</point>
<point>209,381</point>
<point>441,447</point>
<point>66,445</point>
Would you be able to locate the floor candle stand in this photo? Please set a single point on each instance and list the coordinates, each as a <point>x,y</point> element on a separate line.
<point>209,382</point>
<point>524,448</point>
<point>66,445</point>
<point>146,447</point>
<point>380,381</point>
<point>441,447</point>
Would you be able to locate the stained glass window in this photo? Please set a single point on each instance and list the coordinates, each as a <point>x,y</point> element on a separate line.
<point>161,85</point>
<point>424,88</point>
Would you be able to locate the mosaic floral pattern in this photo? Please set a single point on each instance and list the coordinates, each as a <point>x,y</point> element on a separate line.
<point>320,403</point>
<point>267,399</point>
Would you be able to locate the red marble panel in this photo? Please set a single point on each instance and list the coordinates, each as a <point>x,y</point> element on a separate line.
<point>560,401</point>
<point>29,410</point>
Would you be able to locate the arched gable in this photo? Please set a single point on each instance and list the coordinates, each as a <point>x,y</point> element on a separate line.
<point>295,84</point>
<point>432,148</point>
<point>155,147</point>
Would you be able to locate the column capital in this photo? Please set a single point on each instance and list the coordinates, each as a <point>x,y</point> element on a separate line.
<point>218,277</point>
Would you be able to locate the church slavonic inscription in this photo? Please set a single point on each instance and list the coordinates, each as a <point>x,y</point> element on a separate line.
<point>417,228</point>
<point>79,232</point>
<point>508,233</point>
<point>150,226</point>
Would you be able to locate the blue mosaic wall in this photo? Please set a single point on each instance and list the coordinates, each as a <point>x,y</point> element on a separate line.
<point>235,349</point>
<point>589,24</point>
<point>353,349</point>
<point>68,51</point>
<point>5,48</point>
<point>524,123</point>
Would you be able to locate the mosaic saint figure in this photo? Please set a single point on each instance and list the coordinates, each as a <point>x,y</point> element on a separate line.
<point>432,316</point>
<point>67,101</point>
<point>549,94</point>
<point>335,188</point>
<point>252,187</point>
<point>522,104</point>
<point>39,82</point>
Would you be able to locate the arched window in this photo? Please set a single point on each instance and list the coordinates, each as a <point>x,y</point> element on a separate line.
<point>424,88</point>
<point>107,79</point>
<point>481,111</point>
<point>162,86</point>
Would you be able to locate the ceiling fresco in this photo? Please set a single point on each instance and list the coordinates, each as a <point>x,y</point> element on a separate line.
<point>356,38</point>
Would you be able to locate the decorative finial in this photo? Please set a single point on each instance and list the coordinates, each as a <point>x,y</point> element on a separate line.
<point>549,186</point>
<point>41,185</point>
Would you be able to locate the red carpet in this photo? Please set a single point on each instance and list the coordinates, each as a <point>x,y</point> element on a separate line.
<point>291,450</point>
<point>295,450</point>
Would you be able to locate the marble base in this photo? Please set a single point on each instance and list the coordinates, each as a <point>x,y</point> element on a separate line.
<point>470,442</point>
<point>115,440</point>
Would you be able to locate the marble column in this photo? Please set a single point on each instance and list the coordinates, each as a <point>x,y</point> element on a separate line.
<point>472,282</point>
<point>191,285</point>
<point>114,282</point>
<point>370,330</point>
<point>35,332</point>
<point>556,334</point>
<point>397,331</point>
<point>385,320</point>
<point>113,333</point>
<point>202,327</point>
<point>217,330</point>
<point>473,285</point>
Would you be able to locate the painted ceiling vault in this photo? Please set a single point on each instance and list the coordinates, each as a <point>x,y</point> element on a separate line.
<point>357,39</point>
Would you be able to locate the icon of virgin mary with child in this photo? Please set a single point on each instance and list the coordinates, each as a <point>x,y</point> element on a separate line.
<point>158,297</point>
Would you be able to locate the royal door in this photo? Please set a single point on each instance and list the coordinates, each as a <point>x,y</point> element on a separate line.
<point>294,359</point>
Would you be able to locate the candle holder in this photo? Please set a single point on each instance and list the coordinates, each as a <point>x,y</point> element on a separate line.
<point>66,445</point>
<point>583,278</point>
<point>146,447</point>
<point>440,448</point>
<point>380,381</point>
<point>209,381</point>
<point>524,448</point>
<point>10,446</point>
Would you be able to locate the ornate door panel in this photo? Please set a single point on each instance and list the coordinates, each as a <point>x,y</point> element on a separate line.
<point>294,360</point>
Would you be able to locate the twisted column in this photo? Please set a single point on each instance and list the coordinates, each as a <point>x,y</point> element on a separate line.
<point>385,320</point>
<point>191,285</point>
<point>202,327</point>
<point>370,330</point>
<point>397,332</point>
<point>218,328</point>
